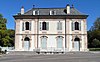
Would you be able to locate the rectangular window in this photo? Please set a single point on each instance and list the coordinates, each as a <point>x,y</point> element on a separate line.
<point>52,12</point>
<point>35,12</point>
<point>44,25</point>
<point>59,26</point>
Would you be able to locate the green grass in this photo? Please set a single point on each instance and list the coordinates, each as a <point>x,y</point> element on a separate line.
<point>94,49</point>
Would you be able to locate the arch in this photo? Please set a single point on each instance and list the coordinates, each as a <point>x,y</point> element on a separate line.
<point>76,39</point>
<point>77,44</point>
<point>27,25</point>
<point>26,43</point>
<point>76,26</point>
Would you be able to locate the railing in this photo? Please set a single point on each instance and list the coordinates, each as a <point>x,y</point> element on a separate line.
<point>7,48</point>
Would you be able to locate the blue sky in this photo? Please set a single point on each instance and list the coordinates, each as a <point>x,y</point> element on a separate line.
<point>10,7</point>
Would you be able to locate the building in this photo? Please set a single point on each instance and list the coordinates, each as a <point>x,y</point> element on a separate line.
<point>51,29</point>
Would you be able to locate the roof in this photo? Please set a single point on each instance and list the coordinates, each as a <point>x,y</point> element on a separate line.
<point>59,11</point>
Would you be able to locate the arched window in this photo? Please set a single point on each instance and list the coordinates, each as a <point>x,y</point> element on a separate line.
<point>27,25</point>
<point>43,42</point>
<point>59,42</point>
<point>44,26</point>
<point>76,26</point>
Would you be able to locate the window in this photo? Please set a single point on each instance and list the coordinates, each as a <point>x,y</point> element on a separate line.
<point>27,25</point>
<point>59,42</point>
<point>59,25</point>
<point>52,12</point>
<point>43,42</point>
<point>35,12</point>
<point>44,25</point>
<point>76,26</point>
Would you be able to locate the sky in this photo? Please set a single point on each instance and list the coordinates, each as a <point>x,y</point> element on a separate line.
<point>8,8</point>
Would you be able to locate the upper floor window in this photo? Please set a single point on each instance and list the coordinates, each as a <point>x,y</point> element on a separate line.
<point>44,25</point>
<point>76,26</point>
<point>27,26</point>
<point>59,25</point>
<point>52,12</point>
<point>35,12</point>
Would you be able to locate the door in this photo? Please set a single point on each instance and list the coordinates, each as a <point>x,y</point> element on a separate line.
<point>26,44</point>
<point>76,45</point>
<point>44,42</point>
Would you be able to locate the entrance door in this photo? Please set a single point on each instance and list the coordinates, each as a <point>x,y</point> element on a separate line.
<point>26,44</point>
<point>77,44</point>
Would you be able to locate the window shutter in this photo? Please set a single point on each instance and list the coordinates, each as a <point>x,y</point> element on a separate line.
<point>57,25</point>
<point>60,25</point>
<point>30,26</point>
<point>80,26</point>
<point>47,27</point>
<point>40,26</point>
<point>72,26</point>
<point>23,26</point>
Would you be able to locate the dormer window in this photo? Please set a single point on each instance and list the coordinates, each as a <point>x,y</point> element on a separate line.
<point>35,12</point>
<point>52,12</point>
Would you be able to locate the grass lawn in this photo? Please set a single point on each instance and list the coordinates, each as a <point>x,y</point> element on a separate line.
<point>94,49</point>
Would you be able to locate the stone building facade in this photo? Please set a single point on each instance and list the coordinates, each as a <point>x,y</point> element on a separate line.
<point>51,29</point>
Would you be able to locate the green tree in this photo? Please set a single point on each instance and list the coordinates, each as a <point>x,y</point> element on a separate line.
<point>6,35</point>
<point>94,34</point>
<point>96,43</point>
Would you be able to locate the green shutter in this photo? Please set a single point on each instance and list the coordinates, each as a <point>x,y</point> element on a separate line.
<point>72,25</point>
<point>60,25</point>
<point>47,26</point>
<point>30,26</point>
<point>80,26</point>
<point>40,26</point>
<point>23,26</point>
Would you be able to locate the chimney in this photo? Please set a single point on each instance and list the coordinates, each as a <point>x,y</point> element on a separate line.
<point>68,9</point>
<point>22,10</point>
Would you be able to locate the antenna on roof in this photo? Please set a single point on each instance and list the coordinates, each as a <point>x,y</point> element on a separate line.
<point>33,6</point>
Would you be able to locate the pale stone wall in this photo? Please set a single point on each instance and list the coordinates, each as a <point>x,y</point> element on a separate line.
<point>35,41</point>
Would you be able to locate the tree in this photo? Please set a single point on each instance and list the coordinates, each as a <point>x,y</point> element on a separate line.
<point>6,35</point>
<point>96,43</point>
<point>94,34</point>
<point>1,16</point>
<point>97,24</point>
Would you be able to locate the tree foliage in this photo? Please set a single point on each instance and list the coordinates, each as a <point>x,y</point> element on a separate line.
<point>94,34</point>
<point>6,35</point>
